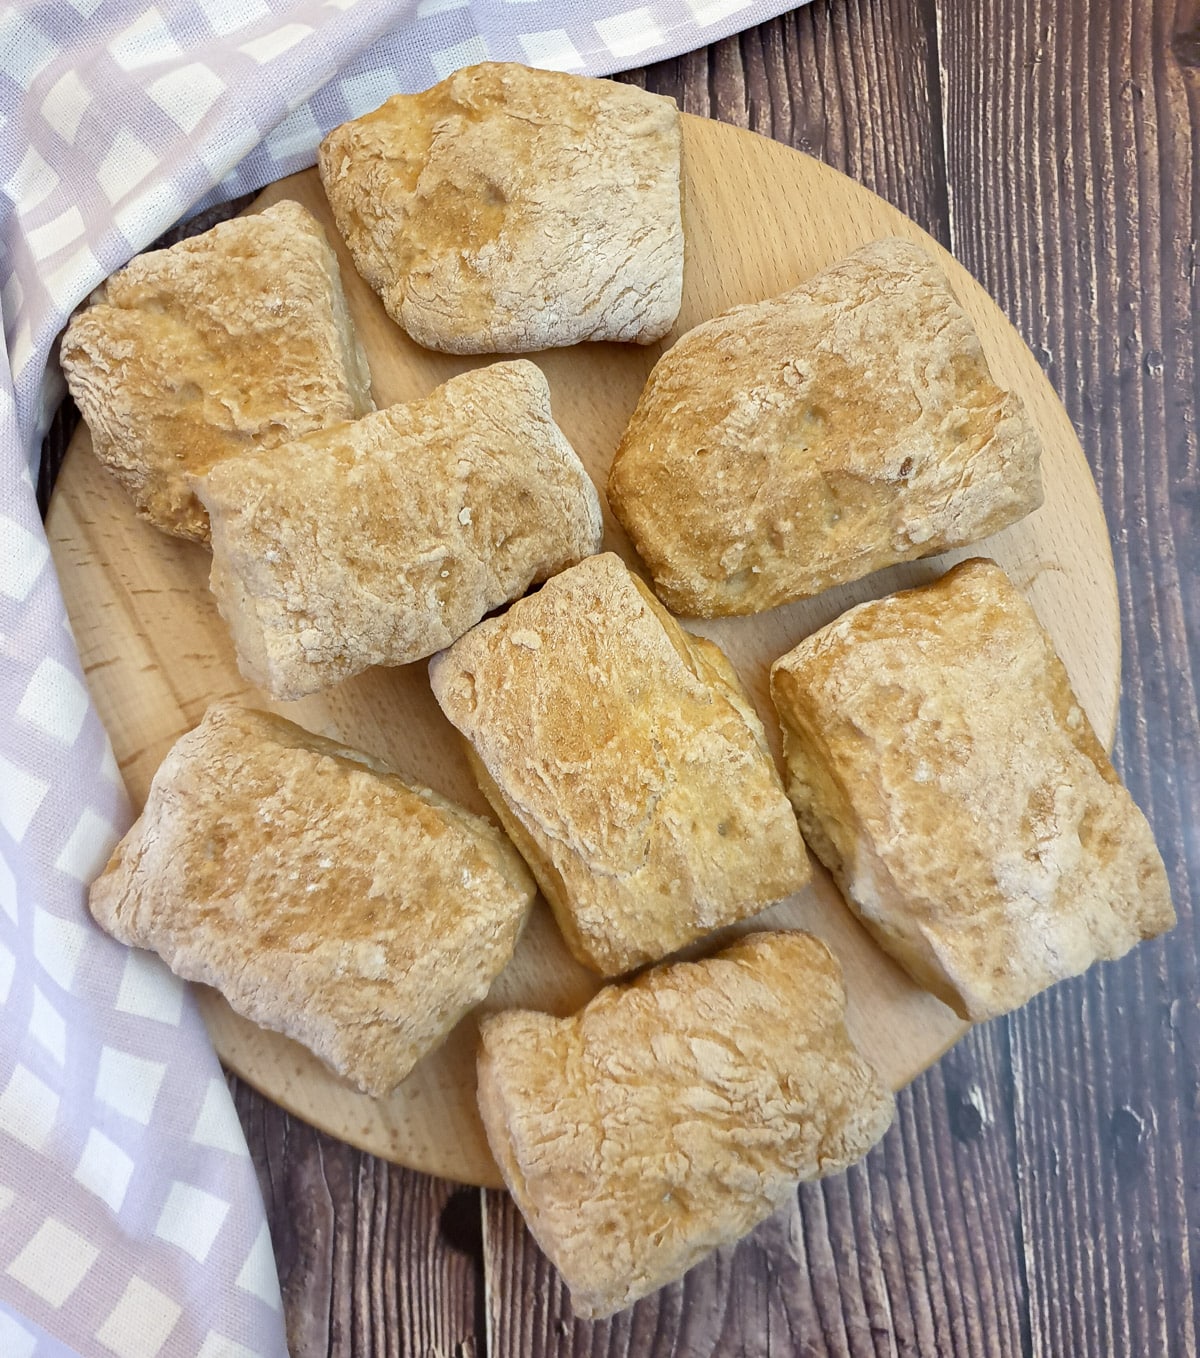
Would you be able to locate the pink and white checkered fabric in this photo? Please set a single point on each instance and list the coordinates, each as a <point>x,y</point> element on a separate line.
<point>130,1217</point>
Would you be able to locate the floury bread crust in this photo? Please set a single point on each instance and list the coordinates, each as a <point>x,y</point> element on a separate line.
<point>380,542</point>
<point>232,341</point>
<point>509,209</point>
<point>625,760</point>
<point>672,1115</point>
<point>945,774</point>
<point>322,896</point>
<point>805,441</point>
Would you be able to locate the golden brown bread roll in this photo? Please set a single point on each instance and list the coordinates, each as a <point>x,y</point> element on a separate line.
<point>509,209</point>
<point>232,341</point>
<point>623,757</point>
<point>322,896</point>
<point>945,774</point>
<point>672,1115</point>
<point>380,541</point>
<point>808,440</point>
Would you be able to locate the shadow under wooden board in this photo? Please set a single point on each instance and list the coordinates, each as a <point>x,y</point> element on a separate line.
<point>759,217</point>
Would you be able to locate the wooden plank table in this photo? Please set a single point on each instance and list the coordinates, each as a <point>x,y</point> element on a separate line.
<point>1040,1190</point>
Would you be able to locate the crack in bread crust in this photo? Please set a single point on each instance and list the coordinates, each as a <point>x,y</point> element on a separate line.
<point>798,443</point>
<point>381,541</point>
<point>324,897</point>
<point>626,762</point>
<point>943,770</point>
<point>509,209</point>
<point>673,1114</point>
<point>234,341</point>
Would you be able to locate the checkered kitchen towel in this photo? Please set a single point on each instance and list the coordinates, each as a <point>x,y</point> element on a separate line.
<point>130,1218</point>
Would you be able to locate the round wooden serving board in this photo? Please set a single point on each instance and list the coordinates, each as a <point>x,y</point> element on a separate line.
<point>758,219</point>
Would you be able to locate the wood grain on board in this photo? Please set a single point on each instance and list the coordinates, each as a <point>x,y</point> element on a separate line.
<point>1040,1191</point>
